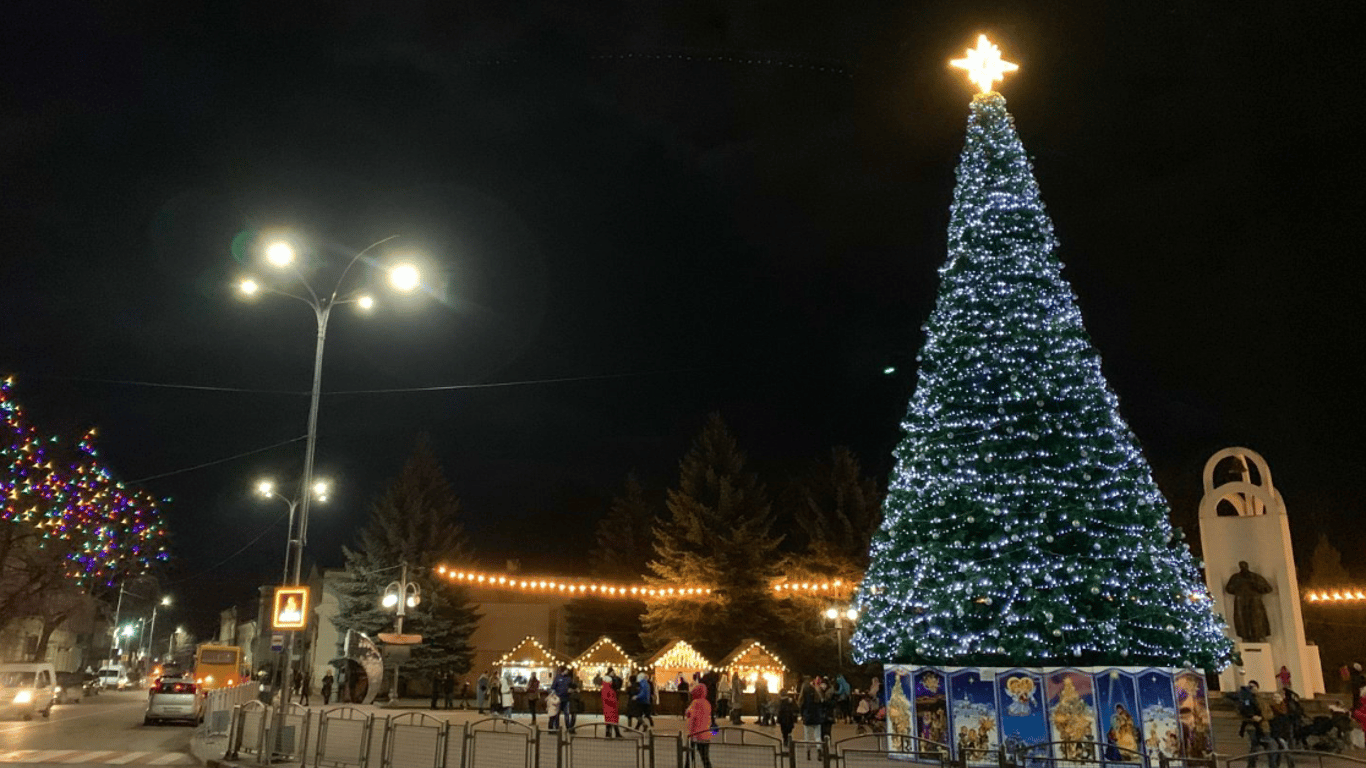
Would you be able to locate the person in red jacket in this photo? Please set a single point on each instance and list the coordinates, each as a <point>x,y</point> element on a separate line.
<point>698,721</point>
<point>610,715</point>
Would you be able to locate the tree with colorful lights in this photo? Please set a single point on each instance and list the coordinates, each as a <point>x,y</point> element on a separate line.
<point>1021,525</point>
<point>67,525</point>
<point>717,532</point>
<point>416,521</point>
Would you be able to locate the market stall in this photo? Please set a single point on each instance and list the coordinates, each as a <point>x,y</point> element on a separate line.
<point>528,658</point>
<point>756,665</point>
<point>592,665</point>
<point>591,668</point>
<point>676,659</point>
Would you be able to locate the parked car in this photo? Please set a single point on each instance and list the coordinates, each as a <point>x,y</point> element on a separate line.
<point>27,688</point>
<point>174,698</point>
<point>74,686</point>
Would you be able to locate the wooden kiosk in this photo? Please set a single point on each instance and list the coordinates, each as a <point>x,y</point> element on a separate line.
<point>528,658</point>
<point>591,666</point>
<point>674,659</point>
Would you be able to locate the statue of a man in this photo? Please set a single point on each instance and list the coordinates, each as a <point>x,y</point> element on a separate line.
<point>1249,615</point>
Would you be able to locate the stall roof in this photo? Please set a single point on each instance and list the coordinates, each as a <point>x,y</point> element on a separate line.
<point>678,654</point>
<point>530,653</point>
<point>604,651</point>
<point>753,654</point>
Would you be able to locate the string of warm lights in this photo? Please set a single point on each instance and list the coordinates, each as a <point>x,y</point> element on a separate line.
<point>530,653</point>
<point>569,585</point>
<point>603,652</point>
<point>755,656</point>
<point>678,656</point>
<point>1335,596</point>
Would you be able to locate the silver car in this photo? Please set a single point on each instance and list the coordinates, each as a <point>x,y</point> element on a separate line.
<point>174,698</point>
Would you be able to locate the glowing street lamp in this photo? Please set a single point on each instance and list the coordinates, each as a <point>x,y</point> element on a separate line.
<point>405,277</point>
<point>839,616</point>
<point>266,488</point>
<point>280,254</point>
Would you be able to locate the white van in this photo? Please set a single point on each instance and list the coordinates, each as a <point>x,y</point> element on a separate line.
<point>26,688</point>
<point>113,677</point>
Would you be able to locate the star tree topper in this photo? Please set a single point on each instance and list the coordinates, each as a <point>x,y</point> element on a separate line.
<point>984,64</point>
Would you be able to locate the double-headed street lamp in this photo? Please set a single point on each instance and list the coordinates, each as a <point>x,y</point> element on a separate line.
<point>267,489</point>
<point>839,615</point>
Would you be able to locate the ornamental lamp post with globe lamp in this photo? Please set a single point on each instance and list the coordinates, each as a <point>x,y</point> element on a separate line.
<point>281,255</point>
<point>267,488</point>
<point>400,595</point>
<point>839,615</point>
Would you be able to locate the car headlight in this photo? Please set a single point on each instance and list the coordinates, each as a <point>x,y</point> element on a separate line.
<point>23,697</point>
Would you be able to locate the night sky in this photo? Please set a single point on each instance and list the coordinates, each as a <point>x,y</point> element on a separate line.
<point>637,213</point>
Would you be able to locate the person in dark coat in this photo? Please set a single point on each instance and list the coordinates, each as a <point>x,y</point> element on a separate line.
<point>438,680</point>
<point>448,688</point>
<point>787,717</point>
<point>761,701</point>
<point>533,697</point>
<point>712,679</point>
<point>328,681</point>
<point>812,711</point>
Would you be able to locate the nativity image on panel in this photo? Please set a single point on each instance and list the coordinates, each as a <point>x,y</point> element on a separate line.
<point>754,662</point>
<point>1066,716</point>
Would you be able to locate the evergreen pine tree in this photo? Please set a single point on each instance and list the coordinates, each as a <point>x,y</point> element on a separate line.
<point>625,543</point>
<point>624,536</point>
<point>416,521</point>
<point>837,508</point>
<point>717,535</point>
<point>1022,524</point>
<point>1325,566</point>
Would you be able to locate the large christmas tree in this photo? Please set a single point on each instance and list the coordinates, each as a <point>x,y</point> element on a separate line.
<point>1021,524</point>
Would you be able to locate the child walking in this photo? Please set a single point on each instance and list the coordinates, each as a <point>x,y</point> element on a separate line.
<point>698,719</point>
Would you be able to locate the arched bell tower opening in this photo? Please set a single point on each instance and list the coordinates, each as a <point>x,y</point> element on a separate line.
<point>1250,571</point>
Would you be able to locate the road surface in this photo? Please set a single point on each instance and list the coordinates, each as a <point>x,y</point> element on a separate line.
<point>101,730</point>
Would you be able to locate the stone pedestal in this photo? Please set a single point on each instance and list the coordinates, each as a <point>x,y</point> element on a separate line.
<point>1257,665</point>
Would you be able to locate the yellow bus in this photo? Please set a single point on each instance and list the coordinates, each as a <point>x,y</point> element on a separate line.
<point>217,666</point>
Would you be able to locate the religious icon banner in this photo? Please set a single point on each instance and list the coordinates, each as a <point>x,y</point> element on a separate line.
<point>973,717</point>
<point>1019,694</point>
<point>1069,716</point>
<point>1117,702</point>
<point>1161,728</point>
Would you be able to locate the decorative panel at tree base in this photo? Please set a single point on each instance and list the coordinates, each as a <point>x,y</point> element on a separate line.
<point>1071,714</point>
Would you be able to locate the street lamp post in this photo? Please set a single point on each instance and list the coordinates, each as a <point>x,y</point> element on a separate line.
<point>152,630</point>
<point>281,255</point>
<point>400,595</point>
<point>839,615</point>
<point>267,489</point>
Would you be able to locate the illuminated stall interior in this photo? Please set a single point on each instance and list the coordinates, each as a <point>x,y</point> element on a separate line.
<point>591,666</point>
<point>528,658</point>
<point>676,658</point>
<point>754,662</point>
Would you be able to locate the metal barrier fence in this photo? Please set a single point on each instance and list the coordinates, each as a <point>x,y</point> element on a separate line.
<point>1076,754</point>
<point>1282,758</point>
<point>219,705</point>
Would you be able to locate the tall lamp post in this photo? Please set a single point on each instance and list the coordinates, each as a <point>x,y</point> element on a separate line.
<point>839,615</point>
<point>281,255</point>
<point>152,630</point>
<point>400,595</point>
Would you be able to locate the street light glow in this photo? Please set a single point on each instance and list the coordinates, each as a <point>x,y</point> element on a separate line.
<point>404,277</point>
<point>366,302</point>
<point>265,488</point>
<point>248,286</point>
<point>851,614</point>
<point>280,253</point>
<point>832,613</point>
<point>320,488</point>
<point>390,600</point>
<point>166,600</point>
